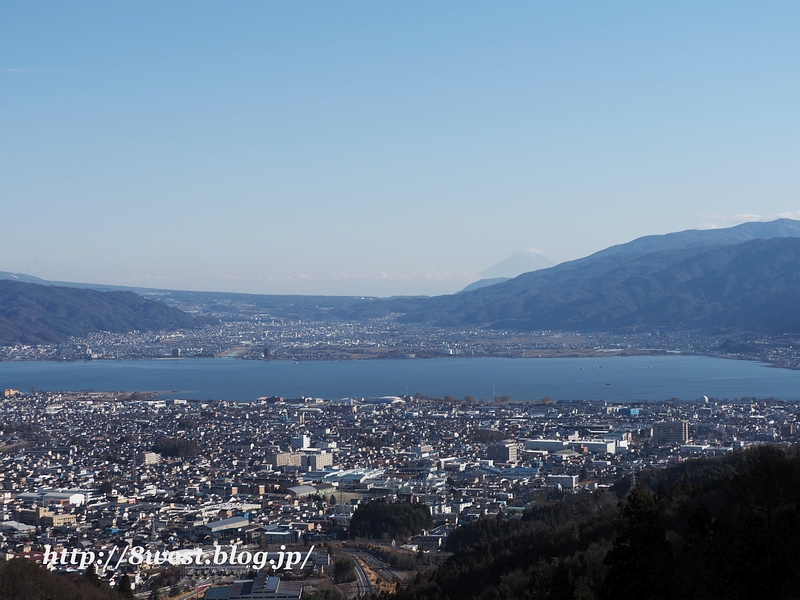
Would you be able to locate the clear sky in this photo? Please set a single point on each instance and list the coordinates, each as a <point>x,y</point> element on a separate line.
<point>381,147</point>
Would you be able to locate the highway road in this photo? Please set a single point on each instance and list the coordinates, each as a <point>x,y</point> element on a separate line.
<point>364,584</point>
<point>379,566</point>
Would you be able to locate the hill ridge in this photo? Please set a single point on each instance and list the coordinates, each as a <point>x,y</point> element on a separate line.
<point>32,313</point>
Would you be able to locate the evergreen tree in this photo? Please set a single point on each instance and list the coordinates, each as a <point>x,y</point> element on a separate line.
<point>640,564</point>
<point>124,587</point>
<point>91,575</point>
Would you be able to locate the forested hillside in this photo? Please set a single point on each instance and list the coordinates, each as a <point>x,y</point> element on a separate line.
<point>23,579</point>
<point>753,286</point>
<point>42,314</point>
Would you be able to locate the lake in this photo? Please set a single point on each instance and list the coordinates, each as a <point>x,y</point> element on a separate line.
<point>621,379</point>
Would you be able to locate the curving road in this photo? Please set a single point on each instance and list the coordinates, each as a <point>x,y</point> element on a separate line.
<point>364,585</point>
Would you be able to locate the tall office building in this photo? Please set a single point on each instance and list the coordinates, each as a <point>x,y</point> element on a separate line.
<point>670,433</point>
<point>504,452</point>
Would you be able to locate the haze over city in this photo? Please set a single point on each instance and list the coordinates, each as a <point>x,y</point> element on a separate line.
<point>378,149</point>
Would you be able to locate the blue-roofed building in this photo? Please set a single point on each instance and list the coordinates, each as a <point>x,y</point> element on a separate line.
<point>262,587</point>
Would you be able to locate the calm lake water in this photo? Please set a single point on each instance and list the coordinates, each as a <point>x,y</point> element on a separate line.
<point>613,378</point>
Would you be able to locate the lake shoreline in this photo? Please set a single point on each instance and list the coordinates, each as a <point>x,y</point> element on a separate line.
<point>545,354</point>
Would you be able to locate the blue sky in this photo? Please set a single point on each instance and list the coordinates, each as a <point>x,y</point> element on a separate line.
<point>381,148</point>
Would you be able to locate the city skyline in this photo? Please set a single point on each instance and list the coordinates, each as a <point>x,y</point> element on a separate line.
<point>367,149</point>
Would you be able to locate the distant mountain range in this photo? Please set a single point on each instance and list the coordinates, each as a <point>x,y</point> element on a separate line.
<point>745,277</point>
<point>291,307</point>
<point>38,314</point>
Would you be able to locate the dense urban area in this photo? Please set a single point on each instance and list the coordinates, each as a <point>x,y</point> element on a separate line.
<point>107,471</point>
